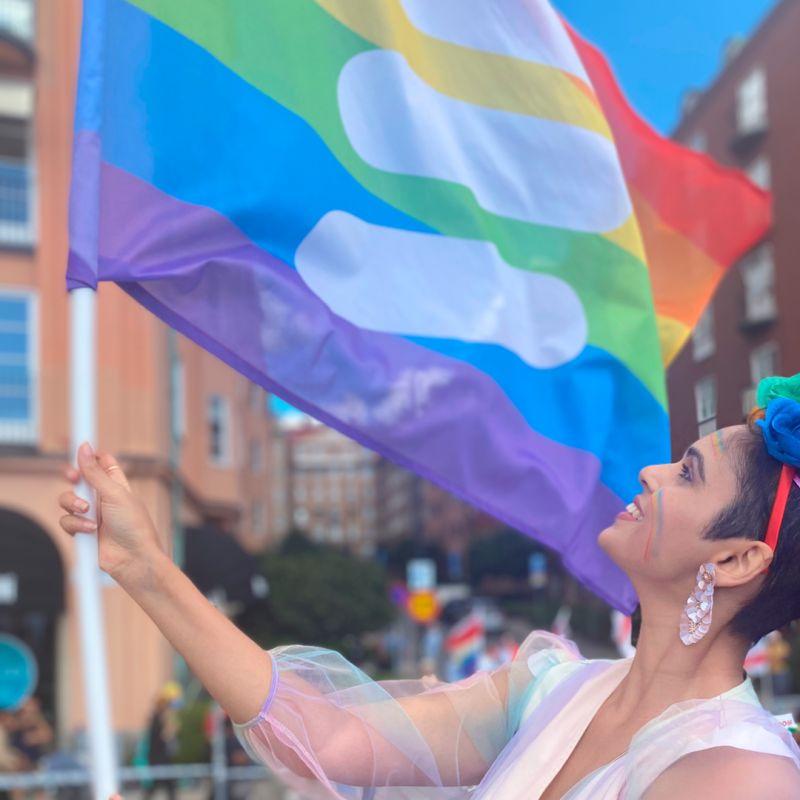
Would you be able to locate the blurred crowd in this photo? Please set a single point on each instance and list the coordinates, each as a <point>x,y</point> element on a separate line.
<point>27,744</point>
<point>26,737</point>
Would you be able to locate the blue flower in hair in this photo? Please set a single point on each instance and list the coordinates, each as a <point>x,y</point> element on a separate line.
<point>781,429</point>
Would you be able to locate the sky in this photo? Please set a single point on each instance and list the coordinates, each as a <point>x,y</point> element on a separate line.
<point>659,49</point>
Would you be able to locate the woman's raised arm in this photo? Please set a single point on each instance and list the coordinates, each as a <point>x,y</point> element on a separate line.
<point>307,712</point>
<point>233,668</point>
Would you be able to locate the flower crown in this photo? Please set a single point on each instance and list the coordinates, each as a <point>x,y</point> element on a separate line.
<point>780,398</point>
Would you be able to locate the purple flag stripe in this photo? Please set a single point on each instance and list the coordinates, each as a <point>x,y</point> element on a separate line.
<point>199,273</point>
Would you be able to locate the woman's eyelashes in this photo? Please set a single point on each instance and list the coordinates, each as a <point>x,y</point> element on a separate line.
<point>686,473</point>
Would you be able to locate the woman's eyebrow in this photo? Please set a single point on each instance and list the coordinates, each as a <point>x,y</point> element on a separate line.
<point>694,453</point>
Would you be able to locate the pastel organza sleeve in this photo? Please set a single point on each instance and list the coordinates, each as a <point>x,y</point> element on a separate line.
<point>329,730</point>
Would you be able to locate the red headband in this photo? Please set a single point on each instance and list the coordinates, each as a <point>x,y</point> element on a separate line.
<point>788,475</point>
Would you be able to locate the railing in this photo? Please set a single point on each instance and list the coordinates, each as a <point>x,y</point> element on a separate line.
<point>220,776</point>
<point>17,18</point>
<point>16,217</point>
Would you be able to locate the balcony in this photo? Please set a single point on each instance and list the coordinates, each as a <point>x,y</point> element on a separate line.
<point>16,218</point>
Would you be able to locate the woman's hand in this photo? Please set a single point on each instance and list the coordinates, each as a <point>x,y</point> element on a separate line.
<point>127,538</point>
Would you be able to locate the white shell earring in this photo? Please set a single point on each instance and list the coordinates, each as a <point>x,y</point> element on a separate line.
<point>696,615</point>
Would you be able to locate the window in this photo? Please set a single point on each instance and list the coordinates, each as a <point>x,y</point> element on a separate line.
<point>16,18</point>
<point>760,173</point>
<point>258,518</point>
<point>256,456</point>
<point>219,434</point>
<point>758,274</point>
<point>9,589</point>
<point>18,368</point>
<point>703,344</point>
<point>748,401</point>
<point>763,362</point>
<point>301,517</point>
<point>705,395</point>
<point>698,141</point>
<point>751,103</point>
<point>689,101</point>
<point>16,184</point>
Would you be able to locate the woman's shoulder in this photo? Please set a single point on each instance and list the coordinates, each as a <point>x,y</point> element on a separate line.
<point>543,652</point>
<point>694,742</point>
<point>729,773</point>
<point>545,648</point>
<point>548,660</point>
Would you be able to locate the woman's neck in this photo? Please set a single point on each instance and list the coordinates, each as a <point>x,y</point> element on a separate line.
<point>665,671</point>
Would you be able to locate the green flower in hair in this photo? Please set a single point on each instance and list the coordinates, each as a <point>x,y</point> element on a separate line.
<point>774,387</point>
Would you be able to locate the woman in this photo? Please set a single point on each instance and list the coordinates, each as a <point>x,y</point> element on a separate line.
<point>679,720</point>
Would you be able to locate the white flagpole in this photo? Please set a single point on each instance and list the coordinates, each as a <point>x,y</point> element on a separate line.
<point>83,395</point>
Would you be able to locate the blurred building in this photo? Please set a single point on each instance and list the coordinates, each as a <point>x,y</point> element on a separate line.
<point>195,436</point>
<point>399,503</point>
<point>748,118</point>
<point>338,492</point>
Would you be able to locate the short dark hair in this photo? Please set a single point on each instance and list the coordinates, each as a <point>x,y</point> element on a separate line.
<point>757,472</point>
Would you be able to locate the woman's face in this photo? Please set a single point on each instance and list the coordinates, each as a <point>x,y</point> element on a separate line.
<point>661,538</point>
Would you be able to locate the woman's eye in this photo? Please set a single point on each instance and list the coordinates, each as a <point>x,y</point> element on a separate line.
<point>685,474</point>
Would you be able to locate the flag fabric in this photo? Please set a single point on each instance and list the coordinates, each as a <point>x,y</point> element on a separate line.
<point>696,218</point>
<point>622,633</point>
<point>410,220</point>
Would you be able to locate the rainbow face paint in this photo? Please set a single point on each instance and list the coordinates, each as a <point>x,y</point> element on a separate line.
<point>718,442</point>
<point>656,525</point>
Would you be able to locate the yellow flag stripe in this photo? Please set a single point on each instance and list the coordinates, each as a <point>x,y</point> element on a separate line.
<point>474,76</point>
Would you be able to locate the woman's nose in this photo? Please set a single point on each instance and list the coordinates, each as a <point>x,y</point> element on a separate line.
<point>648,477</point>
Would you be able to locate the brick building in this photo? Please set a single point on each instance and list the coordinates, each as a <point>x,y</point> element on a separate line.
<point>331,485</point>
<point>747,118</point>
<point>153,388</point>
<point>340,493</point>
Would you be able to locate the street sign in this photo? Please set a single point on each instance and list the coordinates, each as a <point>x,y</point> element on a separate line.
<point>537,570</point>
<point>18,672</point>
<point>422,606</point>
<point>421,574</point>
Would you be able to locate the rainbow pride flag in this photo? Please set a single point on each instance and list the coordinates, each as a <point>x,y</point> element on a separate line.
<point>427,224</point>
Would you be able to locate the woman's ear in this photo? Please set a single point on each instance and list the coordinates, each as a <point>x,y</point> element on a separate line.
<point>741,561</point>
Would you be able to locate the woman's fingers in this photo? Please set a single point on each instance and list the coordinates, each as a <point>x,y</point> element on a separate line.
<point>69,501</point>
<point>94,474</point>
<point>72,475</point>
<point>112,468</point>
<point>72,524</point>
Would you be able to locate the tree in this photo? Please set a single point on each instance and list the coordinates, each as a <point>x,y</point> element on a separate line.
<point>321,596</point>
